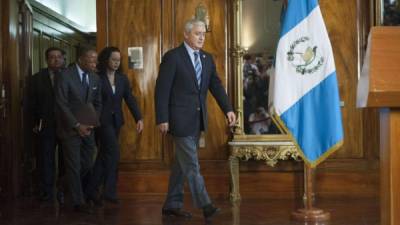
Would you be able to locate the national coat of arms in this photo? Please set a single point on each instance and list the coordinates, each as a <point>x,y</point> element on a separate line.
<point>304,57</point>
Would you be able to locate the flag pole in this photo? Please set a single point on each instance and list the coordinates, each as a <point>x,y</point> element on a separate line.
<point>309,213</point>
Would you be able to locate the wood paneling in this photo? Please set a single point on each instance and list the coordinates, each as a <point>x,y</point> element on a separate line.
<point>102,24</point>
<point>341,21</point>
<point>156,25</point>
<point>370,115</point>
<point>145,157</point>
<point>258,180</point>
<point>3,163</point>
<point>36,51</point>
<point>25,46</point>
<point>161,29</point>
<point>215,43</point>
<point>125,31</point>
<point>390,165</point>
<point>11,140</point>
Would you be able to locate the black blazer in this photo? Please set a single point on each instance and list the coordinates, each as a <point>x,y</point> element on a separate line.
<point>179,100</point>
<point>41,98</point>
<point>111,113</point>
<point>70,97</point>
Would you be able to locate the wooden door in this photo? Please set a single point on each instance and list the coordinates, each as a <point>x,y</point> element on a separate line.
<point>15,24</point>
<point>2,108</point>
<point>25,42</point>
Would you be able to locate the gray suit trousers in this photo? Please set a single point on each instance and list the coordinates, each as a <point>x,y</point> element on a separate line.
<point>79,154</point>
<point>186,166</point>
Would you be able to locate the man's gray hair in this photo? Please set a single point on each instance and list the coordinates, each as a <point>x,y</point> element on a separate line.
<point>191,23</point>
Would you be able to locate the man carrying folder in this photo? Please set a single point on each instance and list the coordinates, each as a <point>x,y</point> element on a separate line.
<point>41,103</point>
<point>78,102</point>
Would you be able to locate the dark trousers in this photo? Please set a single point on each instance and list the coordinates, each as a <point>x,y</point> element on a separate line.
<point>105,170</point>
<point>79,154</point>
<point>48,143</point>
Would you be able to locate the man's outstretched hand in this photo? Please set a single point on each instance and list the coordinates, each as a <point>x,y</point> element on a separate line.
<point>231,118</point>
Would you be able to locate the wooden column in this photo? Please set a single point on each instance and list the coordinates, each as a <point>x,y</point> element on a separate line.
<point>390,165</point>
<point>384,93</point>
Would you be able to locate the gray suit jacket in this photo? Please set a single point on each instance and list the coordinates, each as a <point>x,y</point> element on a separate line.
<point>70,97</point>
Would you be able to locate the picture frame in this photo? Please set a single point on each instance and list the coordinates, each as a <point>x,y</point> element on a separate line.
<point>387,12</point>
<point>135,58</point>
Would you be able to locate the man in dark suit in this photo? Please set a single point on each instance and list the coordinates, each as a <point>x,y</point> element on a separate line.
<point>186,74</point>
<point>78,102</point>
<point>42,103</point>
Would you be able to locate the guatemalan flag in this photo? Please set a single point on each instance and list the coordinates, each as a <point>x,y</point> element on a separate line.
<point>305,97</point>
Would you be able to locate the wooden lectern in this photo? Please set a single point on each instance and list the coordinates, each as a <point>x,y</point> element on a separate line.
<point>384,93</point>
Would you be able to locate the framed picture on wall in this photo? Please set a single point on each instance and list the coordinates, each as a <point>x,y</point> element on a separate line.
<point>388,12</point>
<point>135,57</point>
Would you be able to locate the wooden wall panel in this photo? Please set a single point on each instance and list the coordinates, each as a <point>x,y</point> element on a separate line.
<point>264,183</point>
<point>341,21</point>
<point>3,159</point>
<point>145,157</point>
<point>147,34</point>
<point>216,43</point>
<point>11,140</point>
<point>36,51</point>
<point>138,23</point>
<point>102,24</point>
<point>370,116</point>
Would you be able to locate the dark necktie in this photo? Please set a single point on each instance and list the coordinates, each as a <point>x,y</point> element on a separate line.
<point>51,74</point>
<point>197,67</point>
<point>85,85</point>
<point>84,80</point>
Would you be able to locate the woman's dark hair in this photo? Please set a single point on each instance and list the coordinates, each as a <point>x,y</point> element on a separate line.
<point>103,58</point>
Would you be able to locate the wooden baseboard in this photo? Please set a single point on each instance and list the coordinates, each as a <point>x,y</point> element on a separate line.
<point>262,181</point>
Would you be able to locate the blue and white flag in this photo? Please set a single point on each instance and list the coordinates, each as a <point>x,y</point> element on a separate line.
<point>305,98</point>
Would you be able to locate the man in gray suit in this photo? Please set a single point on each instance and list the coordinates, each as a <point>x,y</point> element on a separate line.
<point>78,89</point>
<point>186,74</point>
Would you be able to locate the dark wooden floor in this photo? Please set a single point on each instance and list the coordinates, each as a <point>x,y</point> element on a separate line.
<point>146,211</point>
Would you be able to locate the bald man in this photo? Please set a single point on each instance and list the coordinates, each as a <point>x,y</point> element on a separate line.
<point>78,89</point>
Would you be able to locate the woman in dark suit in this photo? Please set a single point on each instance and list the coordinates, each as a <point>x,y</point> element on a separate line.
<point>115,87</point>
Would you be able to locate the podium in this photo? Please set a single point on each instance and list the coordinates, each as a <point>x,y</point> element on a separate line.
<point>384,93</point>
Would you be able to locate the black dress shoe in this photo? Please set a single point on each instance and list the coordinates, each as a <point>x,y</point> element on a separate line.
<point>112,200</point>
<point>84,208</point>
<point>60,197</point>
<point>209,211</point>
<point>45,197</point>
<point>96,201</point>
<point>176,212</point>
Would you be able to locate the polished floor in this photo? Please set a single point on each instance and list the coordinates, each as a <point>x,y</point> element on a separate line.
<point>147,211</point>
